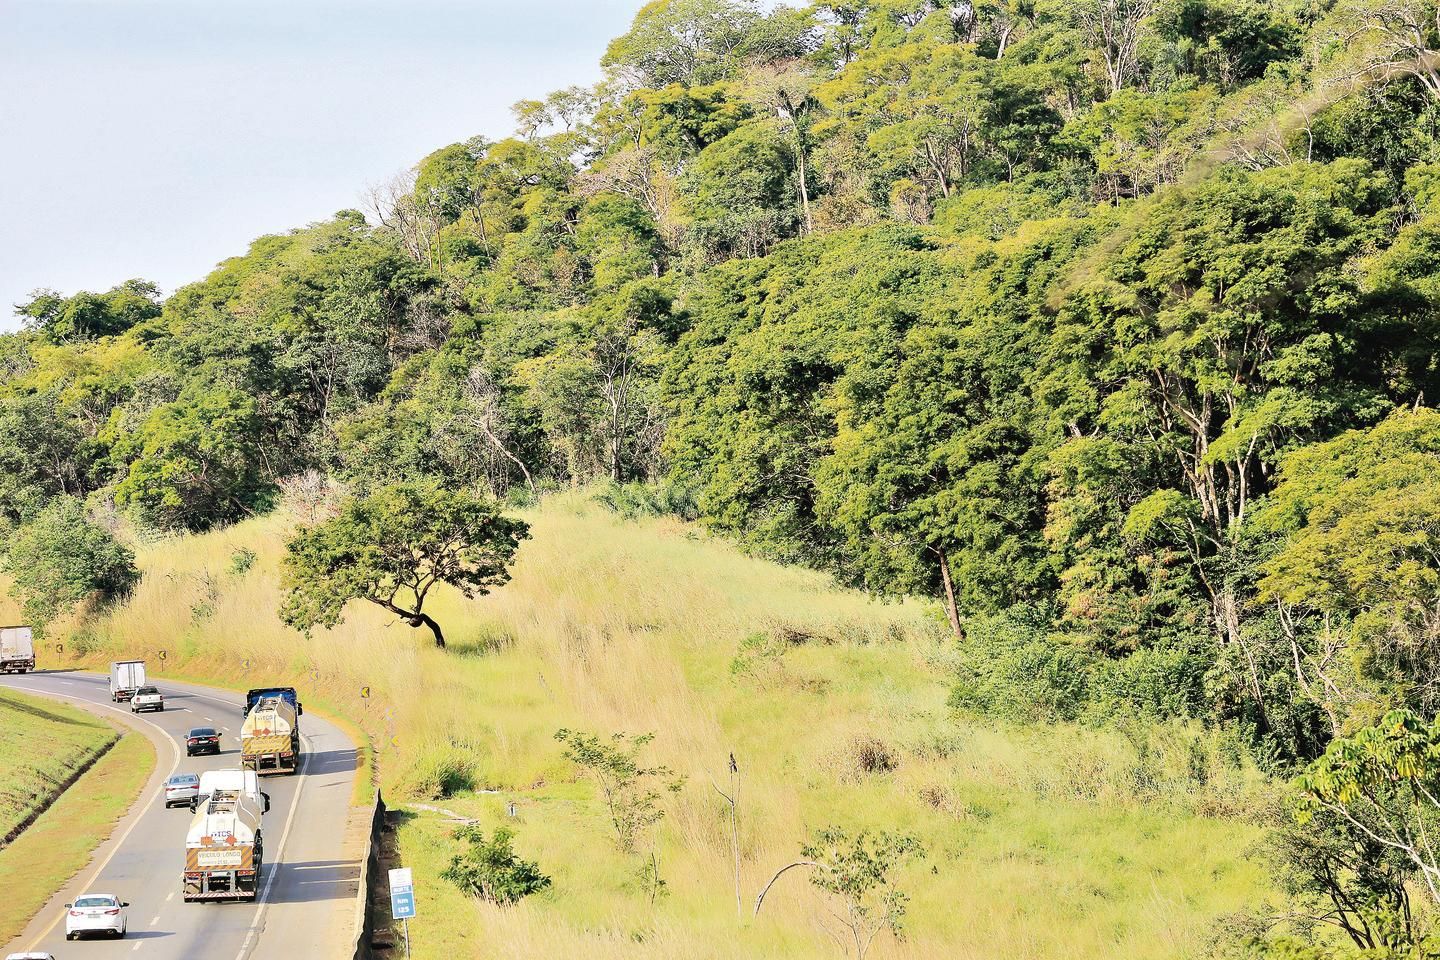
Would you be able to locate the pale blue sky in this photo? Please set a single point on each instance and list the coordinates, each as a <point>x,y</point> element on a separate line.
<point>154,138</point>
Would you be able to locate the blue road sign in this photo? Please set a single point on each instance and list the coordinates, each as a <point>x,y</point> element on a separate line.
<point>402,894</point>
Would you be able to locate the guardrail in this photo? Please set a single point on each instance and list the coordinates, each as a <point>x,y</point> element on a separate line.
<point>369,875</point>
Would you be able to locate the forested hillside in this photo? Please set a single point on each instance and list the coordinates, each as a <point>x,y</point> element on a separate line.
<point>1111,325</point>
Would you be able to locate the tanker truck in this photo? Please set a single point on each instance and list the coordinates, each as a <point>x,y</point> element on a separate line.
<point>270,736</point>
<point>224,847</point>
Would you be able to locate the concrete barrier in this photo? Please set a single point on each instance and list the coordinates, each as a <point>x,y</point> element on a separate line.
<point>370,876</point>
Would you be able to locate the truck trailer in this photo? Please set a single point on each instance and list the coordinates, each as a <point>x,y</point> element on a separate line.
<point>126,676</point>
<point>270,736</point>
<point>225,847</point>
<point>17,650</point>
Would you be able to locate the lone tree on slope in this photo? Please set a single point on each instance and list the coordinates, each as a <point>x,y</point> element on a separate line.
<point>390,548</point>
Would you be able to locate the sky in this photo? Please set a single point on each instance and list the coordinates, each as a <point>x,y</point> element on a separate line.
<point>155,138</point>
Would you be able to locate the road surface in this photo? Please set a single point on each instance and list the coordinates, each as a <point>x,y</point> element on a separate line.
<point>307,906</point>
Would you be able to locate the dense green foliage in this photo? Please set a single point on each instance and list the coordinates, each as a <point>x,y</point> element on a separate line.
<point>489,869</point>
<point>61,558</point>
<point>1109,325</point>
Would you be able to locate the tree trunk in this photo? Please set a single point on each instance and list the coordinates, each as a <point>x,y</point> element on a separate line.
<point>951,609</point>
<point>425,620</point>
<point>804,188</point>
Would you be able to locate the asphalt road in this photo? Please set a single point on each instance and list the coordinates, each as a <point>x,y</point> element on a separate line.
<point>308,890</point>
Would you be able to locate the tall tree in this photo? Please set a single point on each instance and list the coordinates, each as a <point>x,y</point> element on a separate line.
<point>392,548</point>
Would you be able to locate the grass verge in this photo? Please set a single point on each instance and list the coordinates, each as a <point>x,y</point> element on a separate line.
<point>59,843</point>
<point>31,777</point>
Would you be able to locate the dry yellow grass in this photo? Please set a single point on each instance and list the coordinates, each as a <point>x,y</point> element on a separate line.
<point>1059,842</point>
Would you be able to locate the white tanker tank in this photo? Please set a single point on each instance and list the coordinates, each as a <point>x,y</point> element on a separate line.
<point>270,737</point>
<point>224,847</point>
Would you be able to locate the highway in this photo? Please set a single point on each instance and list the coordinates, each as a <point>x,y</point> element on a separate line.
<point>307,903</point>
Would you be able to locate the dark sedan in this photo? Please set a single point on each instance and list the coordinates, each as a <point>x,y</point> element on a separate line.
<point>202,740</point>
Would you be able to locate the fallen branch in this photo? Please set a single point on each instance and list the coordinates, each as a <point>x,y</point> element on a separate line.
<point>789,866</point>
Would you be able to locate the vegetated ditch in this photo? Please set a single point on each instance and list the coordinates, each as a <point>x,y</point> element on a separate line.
<point>47,801</point>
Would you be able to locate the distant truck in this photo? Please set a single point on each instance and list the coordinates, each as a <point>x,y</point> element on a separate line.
<point>225,845</point>
<point>17,650</point>
<point>126,676</point>
<point>270,736</point>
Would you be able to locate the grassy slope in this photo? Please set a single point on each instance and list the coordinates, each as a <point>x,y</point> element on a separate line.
<point>42,744</point>
<point>58,844</point>
<point>1044,842</point>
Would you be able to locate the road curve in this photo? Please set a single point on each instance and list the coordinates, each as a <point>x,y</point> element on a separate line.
<point>306,908</point>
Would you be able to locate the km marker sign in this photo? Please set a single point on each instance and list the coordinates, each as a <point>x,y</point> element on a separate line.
<point>402,900</point>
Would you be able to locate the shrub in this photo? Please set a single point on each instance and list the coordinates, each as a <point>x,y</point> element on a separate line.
<point>241,561</point>
<point>490,870</point>
<point>635,500</point>
<point>61,557</point>
<point>439,771</point>
<point>1011,667</point>
<point>632,792</point>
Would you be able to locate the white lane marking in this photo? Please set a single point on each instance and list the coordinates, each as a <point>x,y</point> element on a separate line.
<point>211,719</point>
<point>279,853</point>
<point>120,845</point>
<point>170,896</point>
<point>138,945</point>
<point>154,920</point>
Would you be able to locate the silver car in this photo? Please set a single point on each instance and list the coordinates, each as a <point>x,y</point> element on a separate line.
<point>95,913</point>
<point>181,789</point>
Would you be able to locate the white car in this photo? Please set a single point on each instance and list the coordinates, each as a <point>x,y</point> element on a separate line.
<point>147,698</point>
<point>95,913</point>
<point>31,956</point>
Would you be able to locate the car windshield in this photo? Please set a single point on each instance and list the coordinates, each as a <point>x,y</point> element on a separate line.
<point>203,732</point>
<point>95,902</point>
<point>148,690</point>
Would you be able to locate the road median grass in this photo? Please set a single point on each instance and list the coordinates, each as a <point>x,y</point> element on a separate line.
<point>43,744</point>
<point>59,843</point>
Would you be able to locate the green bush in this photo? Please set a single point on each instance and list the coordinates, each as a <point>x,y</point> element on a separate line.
<point>635,500</point>
<point>489,868</point>
<point>1010,667</point>
<point>61,558</point>
<point>241,561</point>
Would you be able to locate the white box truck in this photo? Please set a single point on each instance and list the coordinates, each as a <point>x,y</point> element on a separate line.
<point>17,650</point>
<point>126,676</point>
